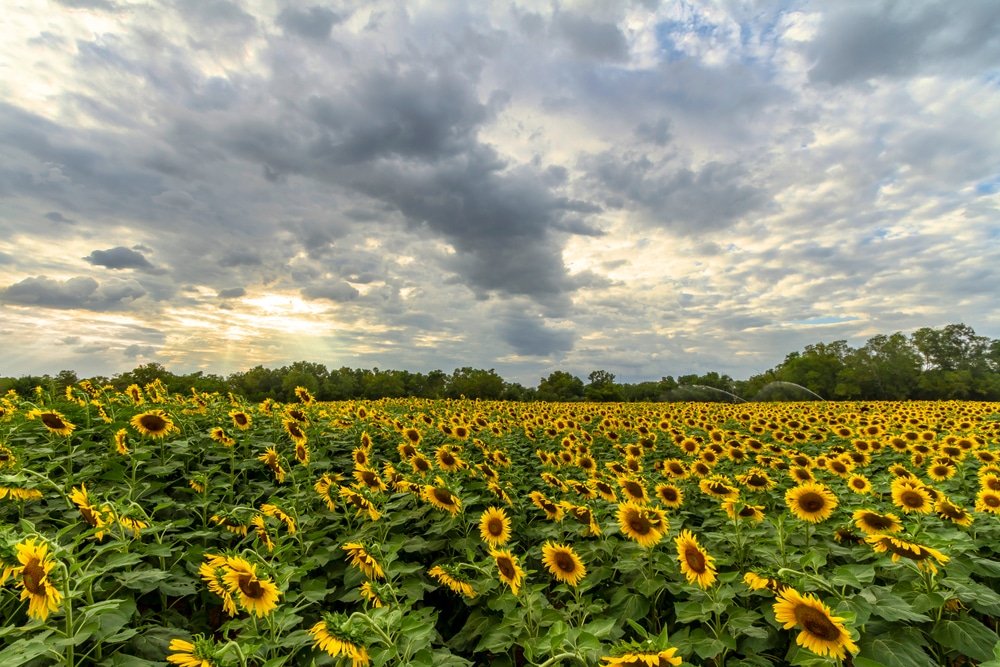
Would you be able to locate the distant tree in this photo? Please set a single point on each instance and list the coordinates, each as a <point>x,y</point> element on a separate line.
<point>560,386</point>
<point>601,387</point>
<point>475,383</point>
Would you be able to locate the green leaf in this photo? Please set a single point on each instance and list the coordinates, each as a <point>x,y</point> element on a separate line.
<point>891,607</point>
<point>142,580</point>
<point>966,636</point>
<point>897,648</point>
<point>855,576</point>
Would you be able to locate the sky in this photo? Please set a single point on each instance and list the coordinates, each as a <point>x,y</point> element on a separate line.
<point>649,188</point>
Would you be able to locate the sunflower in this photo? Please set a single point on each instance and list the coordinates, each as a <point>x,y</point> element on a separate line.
<point>508,568</point>
<point>420,464</point>
<point>696,565</point>
<point>322,488</point>
<point>742,512</point>
<point>756,582</point>
<point>669,495</point>
<point>952,512</point>
<point>494,527</point>
<point>859,484</point>
<point>453,582</point>
<point>412,436</point>
<point>801,475</point>
<point>563,563</point>
<point>718,487</point>
<point>364,561</point>
<point>334,635</point>
<point>304,396</point>
<point>302,453</point>
<point>442,498</point>
<point>584,515</point>
<point>277,513</point>
<point>272,460</point>
<point>666,658</point>
<point>53,421</point>
<point>821,631</point>
<point>635,490</point>
<point>295,431</point>
<point>871,522</point>
<point>675,468</point>
<point>911,496</point>
<point>199,654</point>
<point>218,434</point>
<point>988,500</point>
<point>36,587</point>
<point>756,479</point>
<point>360,502</point>
<point>811,502</point>
<point>645,526</point>
<point>96,518</point>
<point>605,491</point>
<point>552,511</point>
<point>447,460</point>
<point>923,556</point>
<point>369,478</point>
<point>370,594</point>
<point>241,420</point>
<point>941,471</point>
<point>154,423</point>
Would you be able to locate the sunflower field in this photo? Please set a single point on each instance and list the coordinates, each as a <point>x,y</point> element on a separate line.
<point>148,528</point>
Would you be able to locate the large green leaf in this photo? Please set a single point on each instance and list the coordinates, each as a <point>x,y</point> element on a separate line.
<point>966,636</point>
<point>896,648</point>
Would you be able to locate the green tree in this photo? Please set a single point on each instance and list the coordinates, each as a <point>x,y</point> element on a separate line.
<point>560,386</point>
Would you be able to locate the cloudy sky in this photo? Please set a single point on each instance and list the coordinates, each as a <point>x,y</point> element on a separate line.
<point>645,187</point>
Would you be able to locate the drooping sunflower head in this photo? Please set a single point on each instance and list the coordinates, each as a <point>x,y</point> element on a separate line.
<point>153,423</point>
<point>563,563</point>
<point>871,522</point>
<point>811,502</point>
<point>820,631</point>
<point>924,556</point>
<point>442,498</point>
<point>363,560</point>
<point>336,635</point>
<point>452,580</point>
<point>663,658</point>
<point>952,512</point>
<point>200,653</point>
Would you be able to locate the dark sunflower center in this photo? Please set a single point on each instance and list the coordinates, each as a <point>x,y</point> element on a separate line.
<point>993,483</point>
<point>52,421</point>
<point>837,466</point>
<point>912,499</point>
<point>747,512</point>
<point>991,501</point>
<point>756,480</point>
<point>639,524</point>
<point>32,576</point>
<point>565,562</point>
<point>506,567</point>
<point>676,468</point>
<point>251,587</point>
<point>812,501</point>
<point>695,559</point>
<point>816,623</point>
<point>447,459</point>
<point>241,419</point>
<point>669,495</point>
<point>633,489</point>
<point>412,435</point>
<point>878,522</point>
<point>858,483</point>
<point>423,465</point>
<point>495,527</point>
<point>153,423</point>
<point>294,431</point>
<point>444,497</point>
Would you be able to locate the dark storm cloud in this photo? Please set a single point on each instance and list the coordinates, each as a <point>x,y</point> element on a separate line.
<point>529,336</point>
<point>311,23</point>
<point>683,200</point>
<point>861,40</point>
<point>589,38</point>
<point>119,258</point>
<point>75,293</point>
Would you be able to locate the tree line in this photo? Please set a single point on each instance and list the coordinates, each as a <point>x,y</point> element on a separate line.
<point>951,362</point>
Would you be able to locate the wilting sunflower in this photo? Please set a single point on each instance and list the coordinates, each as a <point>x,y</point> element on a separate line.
<point>201,653</point>
<point>811,502</point>
<point>442,498</point>
<point>360,502</point>
<point>821,632</point>
<point>153,423</point>
<point>364,561</point>
<point>563,563</point>
<point>53,421</point>
<point>371,595</point>
<point>952,512</point>
<point>871,522</point>
<point>241,420</point>
<point>508,568</point>
<point>923,556</point>
<point>911,496</point>
<point>988,500</point>
<point>33,573</point>
<point>665,658</point>
<point>452,581</point>
<point>494,526</point>
<point>334,635</point>
<point>645,526</point>
<point>696,565</point>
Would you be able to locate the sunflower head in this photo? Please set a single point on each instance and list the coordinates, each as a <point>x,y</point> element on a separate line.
<point>153,423</point>
<point>494,526</point>
<point>696,564</point>
<point>812,502</point>
<point>820,631</point>
<point>563,563</point>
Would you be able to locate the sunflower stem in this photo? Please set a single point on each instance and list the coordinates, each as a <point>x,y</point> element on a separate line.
<point>562,656</point>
